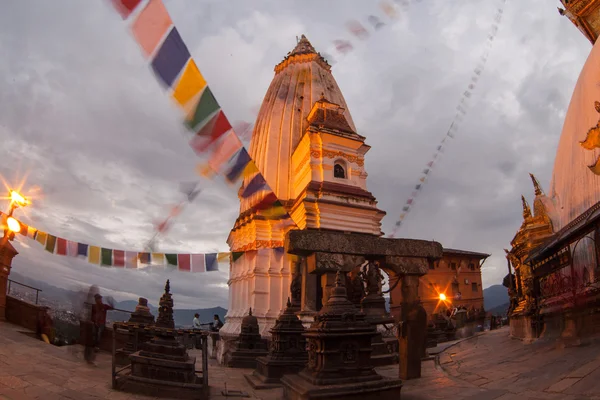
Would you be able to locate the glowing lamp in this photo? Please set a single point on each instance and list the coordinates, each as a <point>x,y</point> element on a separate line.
<point>18,199</point>
<point>442,297</point>
<point>13,224</point>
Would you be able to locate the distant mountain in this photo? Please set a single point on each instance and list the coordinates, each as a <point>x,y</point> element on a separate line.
<point>55,297</point>
<point>494,296</point>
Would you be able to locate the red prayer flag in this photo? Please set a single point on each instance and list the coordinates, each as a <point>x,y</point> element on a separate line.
<point>125,7</point>
<point>210,132</point>
<point>183,262</point>
<point>61,246</point>
<point>118,258</point>
<point>266,202</point>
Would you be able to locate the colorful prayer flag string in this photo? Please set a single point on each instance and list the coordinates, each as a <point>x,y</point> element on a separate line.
<point>461,109</point>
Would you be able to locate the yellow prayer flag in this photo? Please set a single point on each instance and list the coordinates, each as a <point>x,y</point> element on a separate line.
<point>276,211</point>
<point>190,84</point>
<point>41,237</point>
<point>31,232</point>
<point>158,258</point>
<point>250,169</point>
<point>94,255</point>
<point>223,257</point>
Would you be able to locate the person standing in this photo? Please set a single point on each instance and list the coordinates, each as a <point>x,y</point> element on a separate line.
<point>99,310</point>
<point>218,324</point>
<point>196,321</point>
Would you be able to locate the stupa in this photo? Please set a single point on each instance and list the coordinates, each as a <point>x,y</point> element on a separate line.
<point>249,346</point>
<point>163,366</point>
<point>339,356</point>
<point>307,148</point>
<point>140,318</point>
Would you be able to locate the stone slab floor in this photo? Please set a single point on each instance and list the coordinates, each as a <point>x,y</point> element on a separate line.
<point>491,366</point>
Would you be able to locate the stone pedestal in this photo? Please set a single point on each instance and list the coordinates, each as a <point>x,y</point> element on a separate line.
<point>7,253</point>
<point>139,319</point>
<point>287,354</point>
<point>249,346</point>
<point>339,356</point>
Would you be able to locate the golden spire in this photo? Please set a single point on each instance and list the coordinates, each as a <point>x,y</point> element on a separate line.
<point>584,15</point>
<point>536,185</point>
<point>526,209</point>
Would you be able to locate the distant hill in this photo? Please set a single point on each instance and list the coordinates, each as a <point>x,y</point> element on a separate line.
<point>53,296</point>
<point>494,296</point>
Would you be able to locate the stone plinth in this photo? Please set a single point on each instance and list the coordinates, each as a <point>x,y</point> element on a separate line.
<point>7,253</point>
<point>287,354</point>
<point>249,346</point>
<point>139,319</point>
<point>339,356</point>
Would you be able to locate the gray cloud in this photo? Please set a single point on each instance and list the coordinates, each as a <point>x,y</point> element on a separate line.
<point>82,116</point>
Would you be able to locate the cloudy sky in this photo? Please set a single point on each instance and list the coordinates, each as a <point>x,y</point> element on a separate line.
<point>84,121</point>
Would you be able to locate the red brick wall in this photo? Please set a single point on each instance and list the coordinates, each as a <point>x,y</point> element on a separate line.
<point>24,314</point>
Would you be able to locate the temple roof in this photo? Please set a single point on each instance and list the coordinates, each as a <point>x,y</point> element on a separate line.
<point>328,115</point>
<point>465,253</point>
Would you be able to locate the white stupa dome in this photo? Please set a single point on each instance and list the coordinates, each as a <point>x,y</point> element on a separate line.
<point>575,187</point>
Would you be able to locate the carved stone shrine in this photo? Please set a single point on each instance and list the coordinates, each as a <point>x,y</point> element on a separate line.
<point>162,366</point>
<point>140,318</point>
<point>339,356</point>
<point>287,354</point>
<point>249,346</point>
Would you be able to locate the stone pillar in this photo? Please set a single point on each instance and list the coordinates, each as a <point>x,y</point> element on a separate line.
<point>410,332</point>
<point>395,295</point>
<point>7,253</point>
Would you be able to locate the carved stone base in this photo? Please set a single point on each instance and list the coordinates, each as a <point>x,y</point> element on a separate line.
<point>297,388</point>
<point>161,370</point>
<point>245,358</point>
<point>269,372</point>
<point>170,390</point>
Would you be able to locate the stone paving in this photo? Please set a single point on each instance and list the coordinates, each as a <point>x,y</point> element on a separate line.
<point>490,366</point>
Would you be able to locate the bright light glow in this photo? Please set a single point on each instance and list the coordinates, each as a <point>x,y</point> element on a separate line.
<point>18,199</point>
<point>13,224</point>
<point>442,297</point>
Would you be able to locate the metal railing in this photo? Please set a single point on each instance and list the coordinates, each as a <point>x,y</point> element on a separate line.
<point>134,333</point>
<point>37,291</point>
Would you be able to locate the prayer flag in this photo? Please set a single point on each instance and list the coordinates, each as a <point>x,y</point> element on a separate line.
<point>226,148</point>
<point>398,223</point>
<point>267,202</point>
<point>409,201</point>
<point>144,258</point>
<point>389,9</point>
<point>198,263</point>
<point>158,258</point>
<point>170,58</point>
<point>125,7</point>
<point>241,162</point>
<point>418,187</point>
<point>405,208</point>
<point>422,179</point>
<point>106,257</point>
<point>210,132</point>
<point>236,255</point>
<point>205,170</point>
<point>171,259</point>
<point>414,194</point>
<point>119,258</point>
<point>375,22</point>
<point>430,164</point>
<point>211,262</point>
<point>183,262</point>
<point>41,238</point>
<point>343,46</point>
<point>275,212</point>
<point>250,169</point>
<point>31,232</point>
<point>357,29</point>
<point>255,185</point>
<point>223,257</point>
<point>207,106</point>
<point>151,26</point>
<point>426,171</point>
<point>50,243</point>
<point>61,246</point>
<point>24,229</point>
<point>94,255</point>
<point>131,258</point>
<point>190,84</point>
<point>82,249</point>
<point>72,248</point>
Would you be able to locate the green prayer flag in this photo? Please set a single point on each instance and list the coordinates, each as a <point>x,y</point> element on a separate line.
<point>50,243</point>
<point>207,105</point>
<point>171,259</point>
<point>236,255</point>
<point>106,257</point>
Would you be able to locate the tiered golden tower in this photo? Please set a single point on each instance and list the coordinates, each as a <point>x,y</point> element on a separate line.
<point>585,14</point>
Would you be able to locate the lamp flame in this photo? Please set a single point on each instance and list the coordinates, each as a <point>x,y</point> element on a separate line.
<point>13,224</point>
<point>18,199</point>
<point>442,297</point>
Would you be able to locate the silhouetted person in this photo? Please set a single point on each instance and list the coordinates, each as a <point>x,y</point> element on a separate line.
<point>87,325</point>
<point>218,324</point>
<point>196,321</point>
<point>99,310</point>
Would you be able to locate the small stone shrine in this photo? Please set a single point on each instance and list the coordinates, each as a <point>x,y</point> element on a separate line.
<point>163,367</point>
<point>139,318</point>
<point>250,345</point>
<point>339,356</point>
<point>287,354</point>
<point>373,305</point>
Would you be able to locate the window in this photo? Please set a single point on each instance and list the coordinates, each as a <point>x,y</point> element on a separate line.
<point>472,267</point>
<point>339,171</point>
<point>474,287</point>
<point>455,288</point>
<point>453,266</point>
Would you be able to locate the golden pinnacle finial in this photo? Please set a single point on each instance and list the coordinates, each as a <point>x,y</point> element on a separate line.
<point>536,185</point>
<point>526,209</point>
